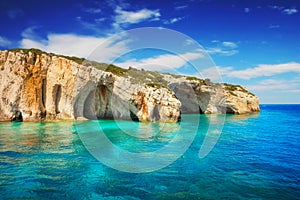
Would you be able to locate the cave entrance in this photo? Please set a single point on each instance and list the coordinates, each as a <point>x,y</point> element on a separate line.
<point>89,106</point>
<point>229,110</point>
<point>155,114</point>
<point>103,98</point>
<point>44,83</point>
<point>185,93</point>
<point>57,96</point>
<point>134,117</point>
<point>97,104</point>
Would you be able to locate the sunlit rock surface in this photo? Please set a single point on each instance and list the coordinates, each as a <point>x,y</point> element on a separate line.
<point>41,86</point>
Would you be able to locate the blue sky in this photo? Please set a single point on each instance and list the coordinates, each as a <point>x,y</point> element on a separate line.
<point>252,43</point>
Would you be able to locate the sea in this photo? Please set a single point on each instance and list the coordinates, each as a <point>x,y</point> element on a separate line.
<point>254,156</point>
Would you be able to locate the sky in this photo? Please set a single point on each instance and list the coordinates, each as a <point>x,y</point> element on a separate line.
<point>254,43</point>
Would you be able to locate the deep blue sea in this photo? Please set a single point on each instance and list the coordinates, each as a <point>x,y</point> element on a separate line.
<point>255,156</point>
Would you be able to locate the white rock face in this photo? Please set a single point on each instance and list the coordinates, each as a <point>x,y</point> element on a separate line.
<point>199,97</point>
<point>46,87</point>
<point>49,87</point>
<point>155,104</point>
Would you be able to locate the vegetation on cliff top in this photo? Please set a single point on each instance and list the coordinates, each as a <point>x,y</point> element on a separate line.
<point>40,52</point>
<point>107,67</point>
<point>149,78</point>
<point>231,88</point>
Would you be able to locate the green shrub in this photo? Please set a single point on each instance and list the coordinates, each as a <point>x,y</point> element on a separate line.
<point>231,88</point>
<point>40,52</point>
<point>155,85</point>
<point>150,78</point>
<point>73,58</point>
<point>26,51</point>
<point>192,78</point>
<point>116,70</point>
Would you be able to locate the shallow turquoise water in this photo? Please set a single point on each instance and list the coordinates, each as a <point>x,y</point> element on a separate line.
<point>256,157</point>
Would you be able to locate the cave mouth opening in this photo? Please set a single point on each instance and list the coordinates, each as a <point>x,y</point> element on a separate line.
<point>43,112</point>
<point>17,116</point>
<point>44,91</point>
<point>200,110</point>
<point>97,104</point>
<point>134,117</point>
<point>187,96</point>
<point>229,110</point>
<point>155,114</point>
<point>57,97</point>
<point>89,111</point>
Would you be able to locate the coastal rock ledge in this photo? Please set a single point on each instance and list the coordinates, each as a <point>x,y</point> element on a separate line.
<point>37,86</point>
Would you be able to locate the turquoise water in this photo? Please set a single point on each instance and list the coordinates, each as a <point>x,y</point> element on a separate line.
<point>256,157</point>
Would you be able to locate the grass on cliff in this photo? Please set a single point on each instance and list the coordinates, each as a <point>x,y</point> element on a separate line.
<point>40,52</point>
<point>26,51</point>
<point>155,85</point>
<point>150,78</point>
<point>108,68</point>
<point>231,88</point>
<point>192,78</point>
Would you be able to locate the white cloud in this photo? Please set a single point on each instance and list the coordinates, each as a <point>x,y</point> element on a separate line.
<point>246,10</point>
<point>124,18</point>
<point>173,20</point>
<point>259,71</point>
<point>288,85</point>
<point>4,42</point>
<point>92,10</point>
<point>265,70</point>
<point>221,51</point>
<point>167,61</point>
<point>287,11</point>
<point>94,26</point>
<point>28,43</point>
<point>189,42</point>
<point>77,45</point>
<point>274,84</point>
<point>274,7</point>
<point>267,87</point>
<point>225,48</point>
<point>30,32</point>
<point>214,73</point>
<point>230,44</point>
<point>294,91</point>
<point>273,26</point>
<point>99,20</point>
<point>290,11</point>
<point>181,7</point>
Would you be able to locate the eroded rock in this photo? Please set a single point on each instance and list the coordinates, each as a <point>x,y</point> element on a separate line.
<point>48,87</point>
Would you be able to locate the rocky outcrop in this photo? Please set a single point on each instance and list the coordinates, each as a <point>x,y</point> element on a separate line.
<point>50,87</point>
<point>155,104</point>
<point>39,86</point>
<point>197,96</point>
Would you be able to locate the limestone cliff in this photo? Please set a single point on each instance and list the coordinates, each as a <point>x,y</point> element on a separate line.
<point>40,86</point>
<point>199,96</point>
<point>50,87</point>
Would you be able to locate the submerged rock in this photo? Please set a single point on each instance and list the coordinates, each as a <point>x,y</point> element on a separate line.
<point>49,87</point>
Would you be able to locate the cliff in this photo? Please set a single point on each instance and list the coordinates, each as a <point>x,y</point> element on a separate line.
<point>39,86</point>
